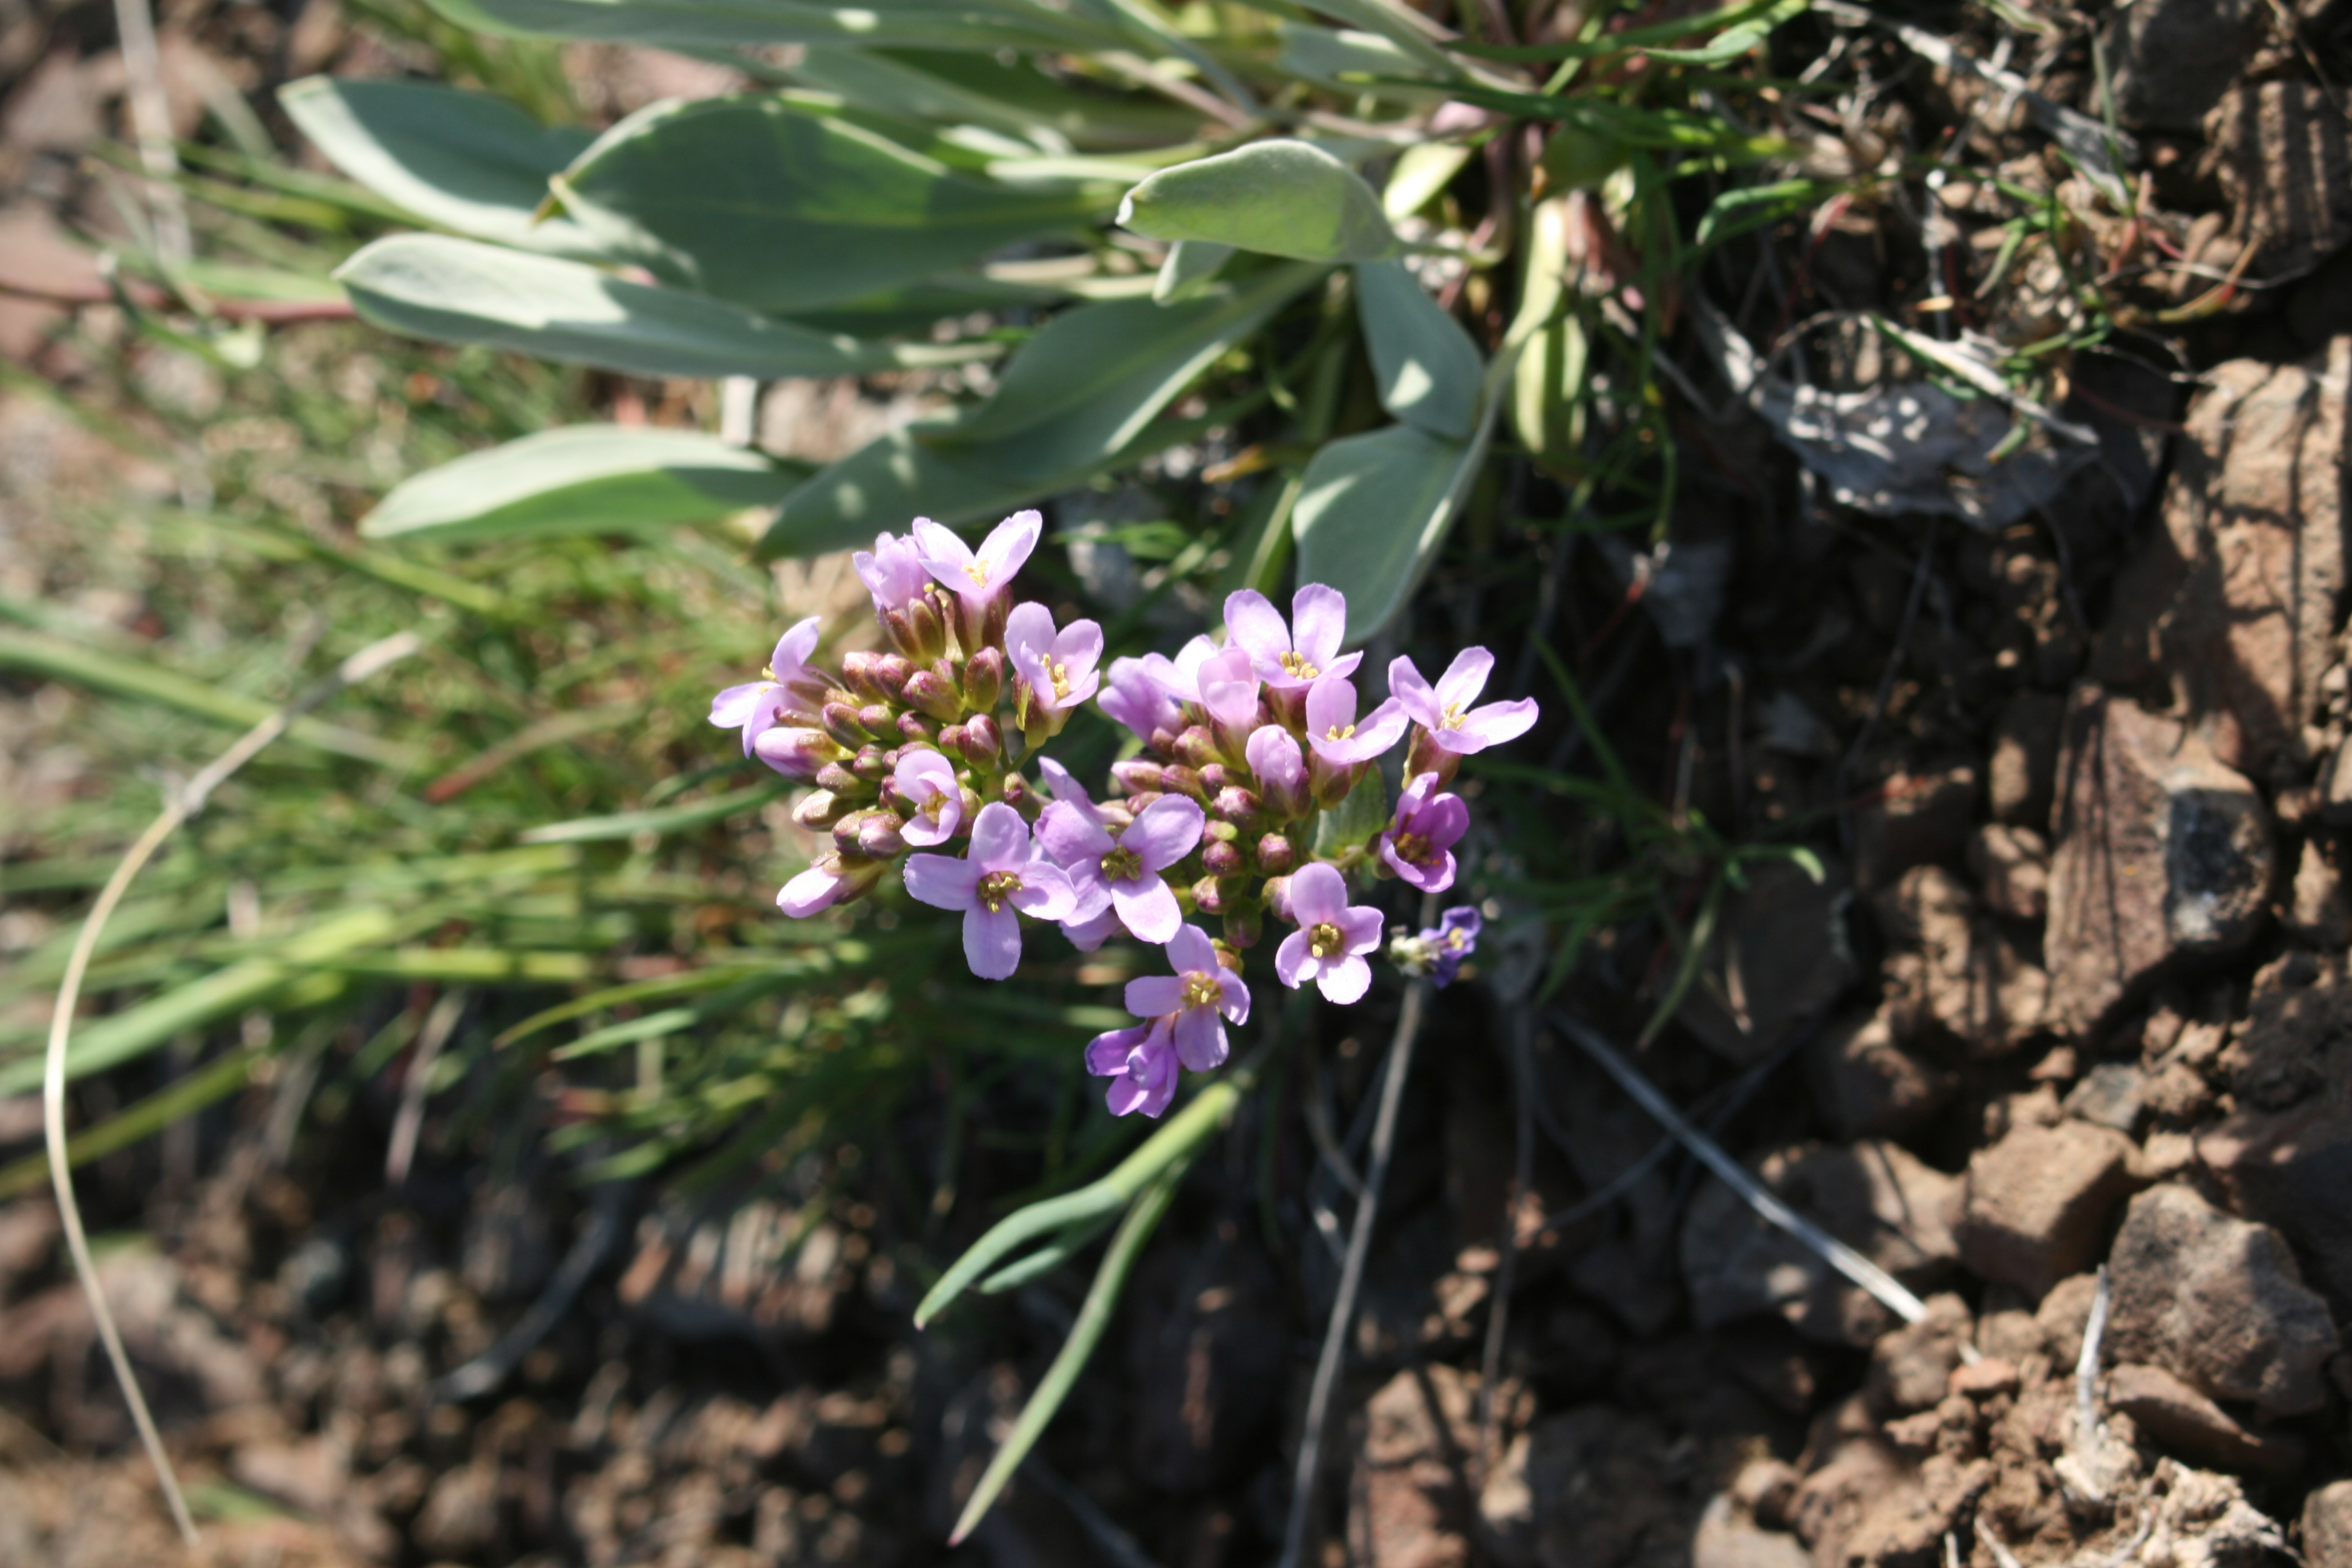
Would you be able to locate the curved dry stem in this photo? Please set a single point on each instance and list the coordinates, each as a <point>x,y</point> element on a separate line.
<point>183,804</point>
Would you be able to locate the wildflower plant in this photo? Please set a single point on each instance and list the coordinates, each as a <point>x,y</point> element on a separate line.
<point>1251,794</point>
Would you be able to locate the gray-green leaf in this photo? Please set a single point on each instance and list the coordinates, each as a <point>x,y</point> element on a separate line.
<point>1190,267</point>
<point>1425,365</point>
<point>457,290</point>
<point>728,24</point>
<point>782,206</point>
<point>464,160</point>
<point>1373,508</point>
<point>582,478</point>
<point>1281,197</point>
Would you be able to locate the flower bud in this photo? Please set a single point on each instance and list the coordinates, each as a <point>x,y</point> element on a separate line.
<point>877,719</point>
<point>934,694</point>
<point>837,778</point>
<point>984,679</point>
<point>1209,897</point>
<point>927,635</point>
<point>844,829</point>
<point>878,835</point>
<point>1217,777</point>
<point>983,743</point>
<point>1233,803</point>
<point>1221,857</point>
<point>1017,793</point>
<point>858,673</point>
<point>795,752</point>
<point>820,809</point>
<point>1426,756</point>
<point>914,727</point>
<point>858,875</point>
<point>1137,775</point>
<point>1174,780</point>
<point>1277,894</point>
<point>840,721</point>
<point>1242,928</point>
<point>872,763</point>
<point>992,619</point>
<point>1276,856</point>
<point>1196,747</point>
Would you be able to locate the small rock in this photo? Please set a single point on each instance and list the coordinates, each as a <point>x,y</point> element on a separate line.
<point>1775,960</point>
<point>1410,1505</point>
<point>1918,819</point>
<point>1844,1507</point>
<point>1961,975</point>
<point>1607,1491</point>
<point>2188,1422</point>
<point>2162,853</point>
<point>1876,1198</point>
<point>2327,1526</point>
<point>2292,1171</point>
<point>2063,1315</point>
<point>2284,156</point>
<point>1911,1369</point>
<point>2317,910</point>
<point>2024,767</point>
<point>1728,1540</point>
<point>2034,1203</point>
<point>1869,1087</point>
<point>2295,1040</point>
<point>2113,1094</point>
<point>2173,60</point>
<point>2012,870</point>
<point>2218,1302</point>
<point>1985,1378</point>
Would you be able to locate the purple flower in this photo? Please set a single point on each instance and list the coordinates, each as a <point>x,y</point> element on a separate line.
<point>1199,991</point>
<point>1419,845</point>
<point>1291,657</point>
<point>754,705</point>
<point>1445,711</point>
<point>894,573</point>
<point>928,782</point>
<point>1123,872</point>
<point>1180,677</point>
<point>1141,1062</point>
<point>1335,732</point>
<point>1002,873</point>
<point>1058,665</point>
<point>1228,688</point>
<point>978,575</point>
<point>1280,768</point>
<point>1135,699</point>
<point>1332,938</point>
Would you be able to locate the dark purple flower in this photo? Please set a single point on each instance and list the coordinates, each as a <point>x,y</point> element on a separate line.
<point>1419,845</point>
<point>756,704</point>
<point>1197,994</point>
<point>1122,872</point>
<point>1141,1062</point>
<point>1452,939</point>
<point>1331,939</point>
<point>1291,656</point>
<point>1336,733</point>
<point>1444,709</point>
<point>1003,872</point>
<point>1058,665</point>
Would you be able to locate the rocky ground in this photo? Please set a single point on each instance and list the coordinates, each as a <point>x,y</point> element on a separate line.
<point>2064,1044</point>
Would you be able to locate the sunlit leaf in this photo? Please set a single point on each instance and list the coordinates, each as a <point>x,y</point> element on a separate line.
<point>582,478</point>
<point>726,24</point>
<point>1424,364</point>
<point>1280,197</point>
<point>464,160</point>
<point>1373,511</point>
<point>776,204</point>
<point>457,290</point>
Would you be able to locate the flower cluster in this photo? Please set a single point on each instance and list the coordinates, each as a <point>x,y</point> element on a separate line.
<point>1253,791</point>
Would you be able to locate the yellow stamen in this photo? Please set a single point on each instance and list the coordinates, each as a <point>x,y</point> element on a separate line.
<point>1323,941</point>
<point>1339,732</point>
<point>1295,665</point>
<point>1201,990</point>
<point>978,572</point>
<point>996,888</point>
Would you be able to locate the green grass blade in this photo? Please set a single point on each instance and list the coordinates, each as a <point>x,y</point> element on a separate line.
<point>668,819</point>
